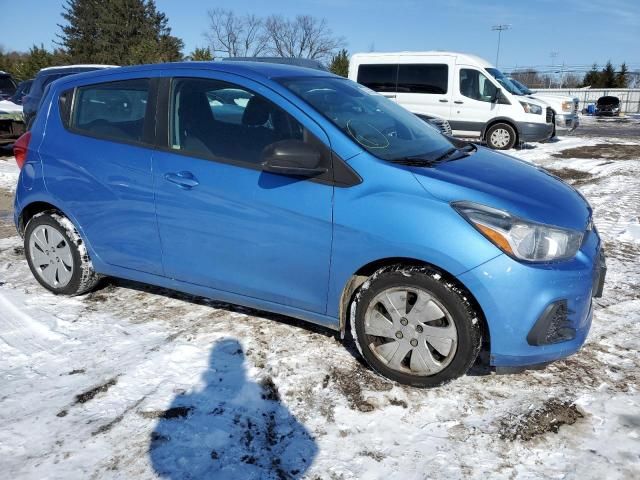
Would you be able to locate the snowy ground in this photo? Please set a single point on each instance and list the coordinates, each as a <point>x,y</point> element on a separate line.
<point>138,382</point>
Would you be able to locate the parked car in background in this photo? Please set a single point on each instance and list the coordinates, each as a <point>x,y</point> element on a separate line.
<point>21,91</point>
<point>326,202</point>
<point>11,122</point>
<point>44,77</point>
<point>7,85</point>
<point>459,88</point>
<point>297,62</point>
<point>565,108</point>
<point>608,106</point>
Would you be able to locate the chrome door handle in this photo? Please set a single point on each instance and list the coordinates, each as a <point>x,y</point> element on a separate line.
<point>184,180</point>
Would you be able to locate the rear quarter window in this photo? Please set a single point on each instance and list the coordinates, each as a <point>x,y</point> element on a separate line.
<point>114,110</point>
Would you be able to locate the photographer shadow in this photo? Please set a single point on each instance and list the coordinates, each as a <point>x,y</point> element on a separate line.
<point>232,428</point>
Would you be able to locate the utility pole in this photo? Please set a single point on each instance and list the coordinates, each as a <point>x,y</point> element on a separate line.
<point>499,29</point>
<point>553,56</point>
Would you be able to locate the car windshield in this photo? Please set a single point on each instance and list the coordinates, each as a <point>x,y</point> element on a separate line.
<point>508,85</point>
<point>523,88</point>
<point>379,125</point>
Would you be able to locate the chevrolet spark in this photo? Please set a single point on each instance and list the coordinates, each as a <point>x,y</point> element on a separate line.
<point>299,192</point>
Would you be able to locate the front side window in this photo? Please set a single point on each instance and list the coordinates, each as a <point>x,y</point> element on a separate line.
<point>216,119</point>
<point>473,84</point>
<point>113,110</point>
<point>380,78</point>
<point>379,125</point>
<point>423,78</point>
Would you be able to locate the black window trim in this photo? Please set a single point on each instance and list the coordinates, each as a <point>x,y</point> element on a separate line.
<point>395,79</point>
<point>148,126</point>
<point>342,176</point>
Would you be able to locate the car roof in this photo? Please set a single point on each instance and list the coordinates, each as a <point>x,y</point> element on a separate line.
<point>247,69</point>
<point>69,67</point>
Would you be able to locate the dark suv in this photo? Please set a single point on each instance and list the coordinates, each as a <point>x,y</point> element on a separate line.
<point>7,86</point>
<point>44,77</point>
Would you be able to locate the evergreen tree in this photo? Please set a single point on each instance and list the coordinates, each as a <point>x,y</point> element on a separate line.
<point>608,76</point>
<point>118,32</point>
<point>621,77</point>
<point>340,63</point>
<point>592,77</point>
<point>201,55</point>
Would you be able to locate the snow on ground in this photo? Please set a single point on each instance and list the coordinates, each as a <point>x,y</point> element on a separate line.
<point>133,381</point>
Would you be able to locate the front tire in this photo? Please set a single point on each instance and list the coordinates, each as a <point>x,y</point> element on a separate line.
<point>501,136</point>
<point>57,255</point>
<point>413,327</point>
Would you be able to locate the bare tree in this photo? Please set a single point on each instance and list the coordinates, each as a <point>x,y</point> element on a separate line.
<point>305,36</point>
<point>236,36</point>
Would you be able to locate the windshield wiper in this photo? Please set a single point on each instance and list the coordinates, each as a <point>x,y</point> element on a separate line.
<point>449,155</point>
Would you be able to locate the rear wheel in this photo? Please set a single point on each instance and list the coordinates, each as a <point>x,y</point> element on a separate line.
<point>57,256</point>
<point>501,136</point>
<point>414,328</point>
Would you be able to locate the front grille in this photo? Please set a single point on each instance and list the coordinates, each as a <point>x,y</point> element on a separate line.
<point>549,115</point>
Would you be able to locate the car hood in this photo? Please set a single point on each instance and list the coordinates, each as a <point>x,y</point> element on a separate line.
<point>500,181</point>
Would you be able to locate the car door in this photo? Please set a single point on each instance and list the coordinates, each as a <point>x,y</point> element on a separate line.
<point>98,167</point>
<point>425,88</point>
<point>474,101</point>
<point>225,223</point>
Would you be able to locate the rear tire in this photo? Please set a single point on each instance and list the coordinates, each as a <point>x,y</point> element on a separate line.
<point>57,256</point>
<point>501,136</point>
<point>415,328</point>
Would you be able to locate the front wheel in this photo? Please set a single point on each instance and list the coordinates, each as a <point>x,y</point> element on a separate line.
<point>501,136</point>
<point>414,328</point>
<point>57,256</point>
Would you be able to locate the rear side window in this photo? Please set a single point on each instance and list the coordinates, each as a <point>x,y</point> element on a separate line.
<point>381,78</point>
<point>113,110</point>
<point>423,78</point>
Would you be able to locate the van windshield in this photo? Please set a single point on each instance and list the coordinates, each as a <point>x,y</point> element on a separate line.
<point>508,85</point>
<point>379,125</point>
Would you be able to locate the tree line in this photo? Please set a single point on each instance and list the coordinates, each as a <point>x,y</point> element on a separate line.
<point>607,77</point>
<point>130,32</point>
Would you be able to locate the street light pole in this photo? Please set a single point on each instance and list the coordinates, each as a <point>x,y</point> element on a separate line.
<point>499,29</point>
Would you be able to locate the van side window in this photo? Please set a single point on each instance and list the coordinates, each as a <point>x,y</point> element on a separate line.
<point>475,85</point>
<point>381,78</point>
<point>113,110</point>
<point>226,122</point>
<point>423,78</point>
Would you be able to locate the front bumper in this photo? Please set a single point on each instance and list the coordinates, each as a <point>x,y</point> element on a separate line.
<point>567,122</point>
<point>534,132</point>
<point>514,295</point>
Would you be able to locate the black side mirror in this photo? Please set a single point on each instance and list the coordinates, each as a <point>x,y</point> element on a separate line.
<point>497,95</point>
<point>292,157</point>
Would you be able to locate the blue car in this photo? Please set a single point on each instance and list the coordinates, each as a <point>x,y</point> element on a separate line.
<point>311,196</point>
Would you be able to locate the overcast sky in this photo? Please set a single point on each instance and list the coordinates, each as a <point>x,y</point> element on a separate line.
<point>580,31</point>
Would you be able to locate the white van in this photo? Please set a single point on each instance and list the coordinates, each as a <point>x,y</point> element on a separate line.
<point>456,87</point>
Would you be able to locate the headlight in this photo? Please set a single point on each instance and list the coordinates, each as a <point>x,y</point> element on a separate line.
<point>521,239</point>
<point>567,106</point>
<point>531,108</point>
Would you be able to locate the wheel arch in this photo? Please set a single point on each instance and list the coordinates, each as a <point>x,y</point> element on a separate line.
<point>363,273</point>
<point>31,209</point>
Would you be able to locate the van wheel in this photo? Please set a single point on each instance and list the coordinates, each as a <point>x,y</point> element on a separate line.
<point>414,328</point>
<point>501,136</point>
<point>57,255</point>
